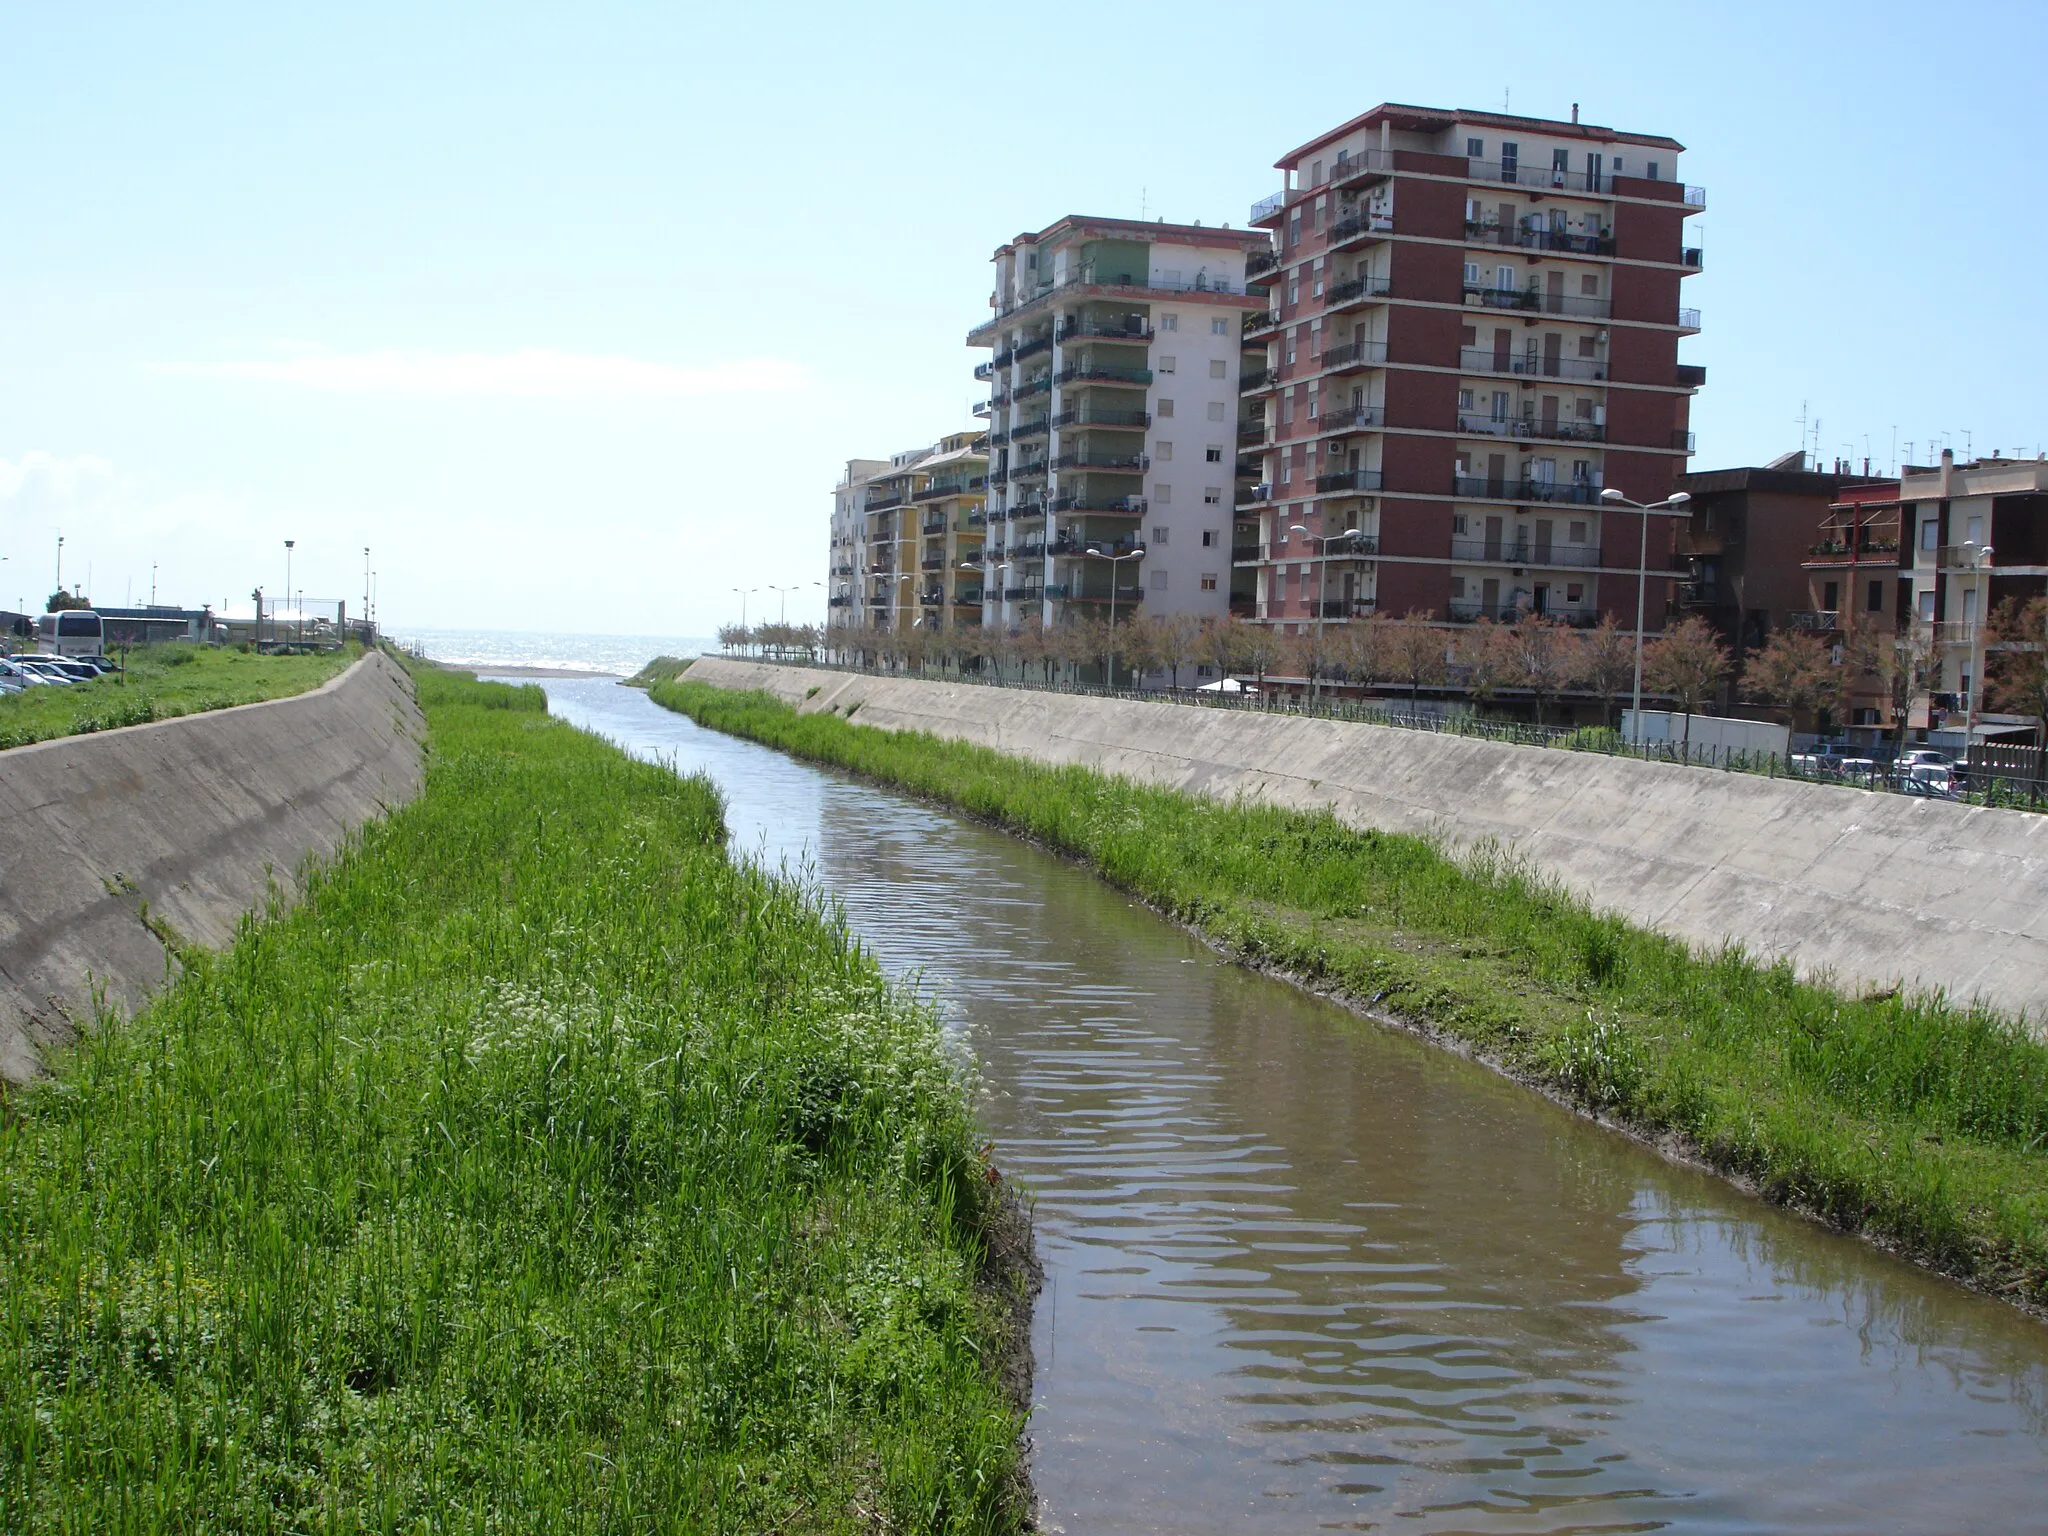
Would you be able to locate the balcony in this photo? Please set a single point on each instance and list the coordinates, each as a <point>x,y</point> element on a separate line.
<point>1348,480</point>
<point>1357,290</point>
<point>1081,549</point>
<point>1539,178</point>
<point>1090,592</point>
<point>1366,163</point>
<point>1254,380</point>
<point>933,525</point>
<point>1360,226</point>
<point>1251,433</point>
<point>1259,323</point>
<point>1340,607</point>
<point>1107,463</point>
<point>1695,197</point>
<point>1042,385</point>
<point>1482,487</point>
<point>1692,256</point>
<point>1259,263</point>
<point>1244,607</point>
<point>1003,358</point>
<point>1553,431</point>
<point>1037,428</point>
<point>1682,441</point>
<point>983,407</point>
<point>1104,330</point>
<point>1538,365</point>
<point>1962,557</point>
<point>940,489</point>
<point>1034,470</point>
<point>1258,495</point>
<point>1267,208</point>
<point>1106,506</point>
<point>1104,416</point>
<point>884,502</point>
<point>1815,623</point>
<point>932,563</point>
<point>1691,375</point>
<point>1366,418</point>
<point>1244,554</point>
<point>1464,612</point>
<point>1352,356</point>
<point>1092,372</point>
<point>1482,232</point>
<point>1033,347</point>
<point>1689,321</point>
<point>1851,552</point>
<point>1019,594</point>
<point>840,600</point>
<point>1525,552</point>
<point>967,595</point>
<point>1535,301</point>
<point>984,371</point>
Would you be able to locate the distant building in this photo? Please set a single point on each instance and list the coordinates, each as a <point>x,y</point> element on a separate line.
<point>902,529</point>
<point>1471,329</point>
<point>1113,418</point>
<point>158,623</point>
<point>1854,588</point>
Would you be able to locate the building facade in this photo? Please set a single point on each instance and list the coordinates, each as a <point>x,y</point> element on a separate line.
<point>1470,328</point>
<point>907,535</point>
<point>1113,417</point>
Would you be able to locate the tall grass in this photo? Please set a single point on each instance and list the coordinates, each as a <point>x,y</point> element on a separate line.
<point>1920,1121</point>
<point>543,1170</point>
<point>160,682</point>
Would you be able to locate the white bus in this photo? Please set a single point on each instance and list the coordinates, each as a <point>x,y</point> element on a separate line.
<point>73,632</point>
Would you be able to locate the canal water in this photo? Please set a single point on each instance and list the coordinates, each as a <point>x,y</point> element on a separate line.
<point>1308,1274</point>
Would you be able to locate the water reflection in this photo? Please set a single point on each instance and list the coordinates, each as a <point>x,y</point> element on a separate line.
<point>1305,1273</point>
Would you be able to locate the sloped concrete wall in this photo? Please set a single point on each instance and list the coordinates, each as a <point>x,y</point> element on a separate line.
<point>1871,889</point>
<point>194,817</point>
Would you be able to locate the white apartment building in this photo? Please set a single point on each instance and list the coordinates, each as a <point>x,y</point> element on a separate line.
<point>1113,418</point>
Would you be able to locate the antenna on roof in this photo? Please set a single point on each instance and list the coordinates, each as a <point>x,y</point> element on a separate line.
<point>1506,95</point>
<point>1141,203</point>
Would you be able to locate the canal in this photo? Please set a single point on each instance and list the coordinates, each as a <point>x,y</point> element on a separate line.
<point>1305,1273</point>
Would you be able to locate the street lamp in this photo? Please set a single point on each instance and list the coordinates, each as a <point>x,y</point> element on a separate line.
<point>288,543</point>
<point>1322,593</point>
<point>1978,561</point>
<point>1614,498</point>
<point>1114,562</point>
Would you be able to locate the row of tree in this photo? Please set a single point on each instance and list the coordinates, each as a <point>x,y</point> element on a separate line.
<point>1534,658</point>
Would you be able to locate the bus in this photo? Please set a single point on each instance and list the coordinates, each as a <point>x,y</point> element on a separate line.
<point>73,632</point>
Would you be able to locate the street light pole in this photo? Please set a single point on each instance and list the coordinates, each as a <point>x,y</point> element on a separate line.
<point>1614,498</point>
<point>288,543</point>
<point>1114,562</point>
<point>1978,561</point>
<point>1323,541</point>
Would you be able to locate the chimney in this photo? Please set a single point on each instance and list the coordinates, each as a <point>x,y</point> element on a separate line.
<point>1575,111</point>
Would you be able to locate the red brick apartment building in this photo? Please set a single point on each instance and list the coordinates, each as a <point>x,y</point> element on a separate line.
<point>1471,328</point>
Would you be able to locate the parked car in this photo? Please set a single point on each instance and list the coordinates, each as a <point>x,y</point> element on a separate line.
<point>1928,789</point>
<point>1938,777</point>
<point>42,670</point>
<point>1917,756</point>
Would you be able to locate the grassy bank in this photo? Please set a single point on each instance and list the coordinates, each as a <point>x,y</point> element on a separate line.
<point>162,681</point>
<point>541,1171</point>
<point>1922,1124</point>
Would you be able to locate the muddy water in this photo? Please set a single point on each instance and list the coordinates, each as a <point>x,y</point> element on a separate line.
<point>1308,1274</point>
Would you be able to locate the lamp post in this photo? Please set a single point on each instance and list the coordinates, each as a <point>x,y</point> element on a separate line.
<point>288,543</point>
<point>1978,561</point>
<point>1325,540</point>
<point>1114,562</point>
<point>60,562</point>
<point>366,590</point>
<point>1614,498</point>
<point>744,593</point>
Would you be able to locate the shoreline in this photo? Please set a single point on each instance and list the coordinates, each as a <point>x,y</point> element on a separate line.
<point>487,671</point>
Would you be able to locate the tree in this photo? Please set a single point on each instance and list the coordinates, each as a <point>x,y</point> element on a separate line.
<point>2016,663</point>
<point>1486,652</point>
<point>1686,662</point>
<point>1605,665</point>
<point>1178,637</point>
<point>1259,650</point>
<point>60,601</point>
<point>1416,652</point>
<point>1307,653</point>
<point>1222,643</point>
<point>1362,647</point>
<point>1793,672</point>
<point>1545,656</point>
<point>731,637</point>
<point>1138,644</point>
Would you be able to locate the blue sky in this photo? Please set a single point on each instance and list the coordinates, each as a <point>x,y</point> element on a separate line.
<point>572,314</point>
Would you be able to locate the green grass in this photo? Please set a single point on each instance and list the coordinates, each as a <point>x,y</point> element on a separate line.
<point>543,1170</point>
<point>162,681</point>
<point>660,670</point>
<point>1918,1122</point>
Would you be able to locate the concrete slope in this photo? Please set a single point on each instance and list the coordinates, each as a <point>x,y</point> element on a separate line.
<point>194,817</point>
<point>1870,889</point>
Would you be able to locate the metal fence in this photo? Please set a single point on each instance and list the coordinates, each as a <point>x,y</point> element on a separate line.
<point>2000,776</point>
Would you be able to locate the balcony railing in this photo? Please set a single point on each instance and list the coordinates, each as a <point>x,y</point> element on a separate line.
<point>1357,225</point>
<point>1104,330</point>
<point>985,371</point>
<point>884,503</point>
<point>1033,470</point>
<point>1963,557</point>
<point>1257,494</point>
<point>1464,612</point>
<point>1692,256</point>
<point>1691,375</point>
<point>1683,441</point>
<point>1071,548</point>
<point>1259,263</point>
<point>1033,347</point>
<point>1251,432</point>
<point>1103,416</point>
<point>1260,322</point>
<point>1554,431</point>
<point>1815,622</point>
<point>1037,428</point>
<point>1689,320</point>
<point>1337,423</point>
<point>1539,365</point>
<point>1108,506</point>
<point>1244,554</point>
<point>1114,464</point>
<point>1253,380</point>
<point>1582,492</point>
<point>1367,162</point>
<point>1266,207</point>
<point>1350,355</point>
<point>1536,301</point>
<point>1482,232</point>
<point>1042,385</point>
<point>1018,594</point>
<point>1089,592</point>
<point>983,407</point>
<point>1003,358</point>
<point>1846,551</point>
<point>840,600</point>
<point>941,488</point>
<point>1356,291</point>
<point>1526,552</point>
<point>1349,480</point>
<point>1104,373</point>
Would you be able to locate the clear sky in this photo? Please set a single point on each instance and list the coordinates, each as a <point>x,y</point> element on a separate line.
<point>574,313</point>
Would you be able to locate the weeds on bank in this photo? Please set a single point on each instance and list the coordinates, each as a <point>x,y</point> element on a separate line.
<point>543,1170</point>
<point>162,681</point>
<point>1920,1121</point>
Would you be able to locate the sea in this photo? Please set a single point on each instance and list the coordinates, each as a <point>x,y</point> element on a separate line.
<point>482,649</point>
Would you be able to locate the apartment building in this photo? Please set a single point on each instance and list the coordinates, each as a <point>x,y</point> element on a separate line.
<point>907,536</point>
<point>1113,414</point>
<point>1470,329</point>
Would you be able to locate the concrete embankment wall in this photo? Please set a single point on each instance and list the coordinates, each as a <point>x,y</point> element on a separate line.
<point>194,817</point>
<point>1870,889</point>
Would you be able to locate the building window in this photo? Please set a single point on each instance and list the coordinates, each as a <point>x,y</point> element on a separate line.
<point>1164,407</point>
<point>1930,537</point>
<point>1215,410</point>
<point>1163,452</point>
<point>1166,364</point>
<point>1874,601</point>
<point>1219,326</point>
<point>1458,524</point>
<point>1163,495</point>
<point>1589,285</point>
<point>1653,170</point>
<point>1213,496</point>
<point>1315,173</point>
<point>1457,586</point>
<point>1215,455</point>
<point>1208,581</point>
<point>1504,279</point>
<point>1464,399</point>
<point>1169,322</point>
<point>1586,346</point>
<point>1475,149</point>
<point>1294,228</point>
<point>1472,274</point>
<point>1216,368</point>
<point>1158,533</point>
<point>1927,606</point>
<point>1830,596</point>
<point>1575,592</point>
<point>1468,336</point>
<point>1158,579</point>
<point>1576,533</point>
<point>1211,538</point>
<point>1294,290</point>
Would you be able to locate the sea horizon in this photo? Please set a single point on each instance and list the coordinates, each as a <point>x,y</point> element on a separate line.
<point>599,655</point>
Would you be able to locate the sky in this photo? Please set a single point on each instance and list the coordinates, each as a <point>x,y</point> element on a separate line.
<point>572,315</point>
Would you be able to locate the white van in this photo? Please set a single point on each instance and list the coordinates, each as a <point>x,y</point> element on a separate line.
<point>73,632</point>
